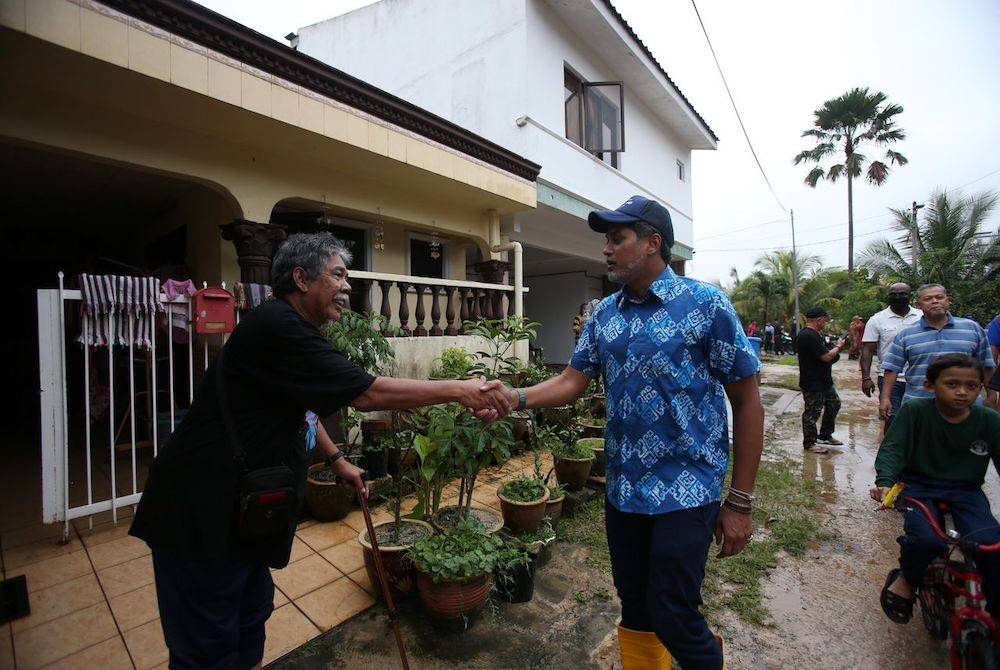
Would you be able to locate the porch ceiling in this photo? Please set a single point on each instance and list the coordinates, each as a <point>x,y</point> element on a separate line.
<point>109,100</point>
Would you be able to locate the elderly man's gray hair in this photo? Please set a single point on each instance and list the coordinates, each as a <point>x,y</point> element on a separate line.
<point>311,252</point>
<point>926,287</point>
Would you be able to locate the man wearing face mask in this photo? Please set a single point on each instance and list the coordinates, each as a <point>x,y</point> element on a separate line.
<point>879,331</point>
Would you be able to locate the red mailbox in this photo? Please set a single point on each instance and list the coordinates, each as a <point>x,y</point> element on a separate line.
<point>214,311</point>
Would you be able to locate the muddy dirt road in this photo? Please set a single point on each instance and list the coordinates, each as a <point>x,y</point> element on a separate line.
<point>825,605</point>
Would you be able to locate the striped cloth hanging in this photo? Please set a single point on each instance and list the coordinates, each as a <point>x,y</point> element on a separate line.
<point>109,300</point>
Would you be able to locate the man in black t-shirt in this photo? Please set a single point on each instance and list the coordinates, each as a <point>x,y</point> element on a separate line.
<point>214,589</point>
<point>816,381</point>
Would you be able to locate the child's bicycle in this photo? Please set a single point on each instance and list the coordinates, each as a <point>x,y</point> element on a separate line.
<point>951,596</point>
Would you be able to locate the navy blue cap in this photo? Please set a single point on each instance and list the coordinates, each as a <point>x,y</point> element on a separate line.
<point>817,313</point>
<point>635,209</point>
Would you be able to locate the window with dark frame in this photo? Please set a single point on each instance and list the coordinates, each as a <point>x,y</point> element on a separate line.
<point>595,118</point>
<point>422,261</point>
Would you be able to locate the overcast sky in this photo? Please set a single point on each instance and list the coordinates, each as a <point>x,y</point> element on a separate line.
<point>782,60</point>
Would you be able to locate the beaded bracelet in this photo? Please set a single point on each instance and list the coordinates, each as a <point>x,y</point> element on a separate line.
<point>736,507</point>
<point>749,497</point>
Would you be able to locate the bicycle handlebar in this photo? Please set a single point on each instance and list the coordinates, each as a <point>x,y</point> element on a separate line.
<point>936,527</point>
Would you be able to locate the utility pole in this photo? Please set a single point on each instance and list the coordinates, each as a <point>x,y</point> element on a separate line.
<point>913,236</point>
<point>795,272</point>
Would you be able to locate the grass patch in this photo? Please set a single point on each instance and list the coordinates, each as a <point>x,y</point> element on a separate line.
<point>784,360</point>
<point>786,519</point>
<point>786,509</point>
<point>586,527</point>
<point>790,382</point>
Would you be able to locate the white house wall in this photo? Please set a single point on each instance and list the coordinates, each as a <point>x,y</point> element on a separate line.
<point>652,149</point>
<point>460,59</point>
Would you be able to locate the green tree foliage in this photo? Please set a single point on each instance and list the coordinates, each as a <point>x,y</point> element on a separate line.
<point>951,247</point>
<point>844,126</point>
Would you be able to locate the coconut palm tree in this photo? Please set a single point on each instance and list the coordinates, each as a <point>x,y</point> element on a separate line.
<point>846,124</point>
<point>794,268</point>
<point>950,248</point>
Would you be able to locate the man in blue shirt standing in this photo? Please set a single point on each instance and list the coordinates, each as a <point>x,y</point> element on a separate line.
<point>671,349</point>
<point>938,332</point>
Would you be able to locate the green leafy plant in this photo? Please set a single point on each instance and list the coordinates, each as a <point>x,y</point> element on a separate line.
<point>363,341</point>
<point>556,492</point>
<point>523,489</point>
<point>462,552</point>
<point>501,335</point>
<point>559,439</point>
<point>455,364</point>
<point>576,451</point>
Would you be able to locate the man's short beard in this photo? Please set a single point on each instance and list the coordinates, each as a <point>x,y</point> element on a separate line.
<point>625,274</point>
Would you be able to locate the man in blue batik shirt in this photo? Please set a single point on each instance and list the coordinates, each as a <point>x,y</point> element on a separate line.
<point>671,349</point>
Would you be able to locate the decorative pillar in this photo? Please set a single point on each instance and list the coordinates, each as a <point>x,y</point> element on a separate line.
<point>255,246</point>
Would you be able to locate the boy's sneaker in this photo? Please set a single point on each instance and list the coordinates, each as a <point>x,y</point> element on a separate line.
<point>829,440</point>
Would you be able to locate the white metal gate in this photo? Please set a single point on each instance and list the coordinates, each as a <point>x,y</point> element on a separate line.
<point>106,410</point>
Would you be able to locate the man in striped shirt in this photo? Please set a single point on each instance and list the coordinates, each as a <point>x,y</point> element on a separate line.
<point>937,333</point>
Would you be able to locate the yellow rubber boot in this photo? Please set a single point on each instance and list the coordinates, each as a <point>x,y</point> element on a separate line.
<point>642,650</point>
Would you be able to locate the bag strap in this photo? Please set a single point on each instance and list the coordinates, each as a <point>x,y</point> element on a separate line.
<point>227,416</point>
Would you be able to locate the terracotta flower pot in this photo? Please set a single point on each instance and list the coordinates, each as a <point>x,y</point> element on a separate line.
<point>482,514</point>
<point>553,507</point>
<point>573,472</point>
<point>596,444</point>
<point>593,430</point>
<point>327,500</point>
<point>455,602</point>
<point>558,416</point>
<point>399,571</point>
<point>522,517</point>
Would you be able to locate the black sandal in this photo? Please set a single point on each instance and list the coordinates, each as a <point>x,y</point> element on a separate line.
<point>896,607</point>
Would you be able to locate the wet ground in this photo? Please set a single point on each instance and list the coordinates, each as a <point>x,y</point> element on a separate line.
<point>824,605</point>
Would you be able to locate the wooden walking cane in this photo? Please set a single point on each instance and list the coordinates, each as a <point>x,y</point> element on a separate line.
<point>380,570</point>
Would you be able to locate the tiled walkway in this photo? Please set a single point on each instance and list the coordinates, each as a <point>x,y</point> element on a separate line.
<point>93,602</point>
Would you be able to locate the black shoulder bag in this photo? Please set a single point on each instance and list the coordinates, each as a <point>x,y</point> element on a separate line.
<point>265,499</point>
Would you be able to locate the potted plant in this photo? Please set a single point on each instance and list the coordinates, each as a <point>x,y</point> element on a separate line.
<point>595,444</point>
<point>455,363</point>
<point>466,446</point>
<point>514,572</point>
<point>554,505</point>
<point>501,335</point>
<point>522,503</point>
<point>395,539</point>
<point>572,460</point>
<point>327,498</point>
<point>593,426</point>
<point>454,570</point>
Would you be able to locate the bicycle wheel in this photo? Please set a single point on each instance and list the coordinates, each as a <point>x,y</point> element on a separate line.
<point>977,649</point>
<point>934,611</point>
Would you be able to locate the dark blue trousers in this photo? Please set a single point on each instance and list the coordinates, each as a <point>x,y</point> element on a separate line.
<point>970,512</point>
<point>658,564</point>
<point>212,616</point>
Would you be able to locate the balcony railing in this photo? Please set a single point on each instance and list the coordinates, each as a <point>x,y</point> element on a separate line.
<point>404,301</point>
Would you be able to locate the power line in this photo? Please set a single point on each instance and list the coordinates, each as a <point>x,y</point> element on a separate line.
<point>787,248</point>
<point>739,230</point>
<point>731,100</point>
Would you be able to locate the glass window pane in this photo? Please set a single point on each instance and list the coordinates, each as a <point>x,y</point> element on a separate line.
<point>422,261</point>
<point>603,117</point>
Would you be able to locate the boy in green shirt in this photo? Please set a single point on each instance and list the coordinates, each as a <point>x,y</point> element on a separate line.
<point>940,449</point>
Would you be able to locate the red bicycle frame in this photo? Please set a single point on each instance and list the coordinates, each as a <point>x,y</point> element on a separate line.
<point>962,580</point>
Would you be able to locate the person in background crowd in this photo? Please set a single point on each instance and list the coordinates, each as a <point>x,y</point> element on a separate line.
<point>879,331</point>
<point>752,329</point>
<point>993,337</point>
<point>779,340</point>
<point>769,337</point>
<point>936,333</point>
<point>857,330</point>
<point>816,381</point>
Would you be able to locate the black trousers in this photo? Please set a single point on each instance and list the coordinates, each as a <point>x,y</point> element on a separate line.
<point>658,564</point>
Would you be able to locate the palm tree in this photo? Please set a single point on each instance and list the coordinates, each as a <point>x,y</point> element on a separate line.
<point>846,124</point>
<point>794,268</point>
<point>950,248</point>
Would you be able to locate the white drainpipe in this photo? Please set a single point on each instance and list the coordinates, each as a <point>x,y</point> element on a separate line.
<point>497,246</point>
